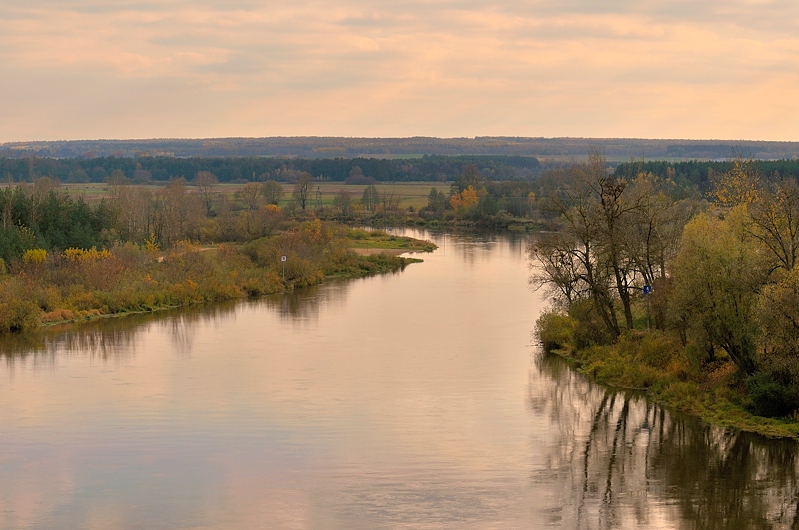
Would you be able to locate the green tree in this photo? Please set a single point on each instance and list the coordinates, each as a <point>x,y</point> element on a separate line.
<point>370,198</point>
<point>249,195</point>
<point>272,192</point>
<point>436,201</point>
<point>343,201</point>
<point>716,276</point>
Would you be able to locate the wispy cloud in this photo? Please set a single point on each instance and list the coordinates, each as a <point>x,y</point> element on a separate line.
<point>90,68</point>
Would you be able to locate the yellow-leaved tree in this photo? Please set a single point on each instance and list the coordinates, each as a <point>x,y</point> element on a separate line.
<point>465,200</point>
<point>739,185</point>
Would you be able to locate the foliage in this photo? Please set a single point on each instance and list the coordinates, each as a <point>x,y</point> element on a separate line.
<point>464,200</point>
<point>717,274</point>
<point>429,168</point>
<point>726,289</point>
<point>92,254</point>
<point>272,192</point>
<point>370,198</point>
<point>83,283</point>
<point>35,256</point>
<point>554,330</point>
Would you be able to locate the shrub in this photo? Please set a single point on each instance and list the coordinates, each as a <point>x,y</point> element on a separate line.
<point>19,315</point>
<point>554,330</point>
<point>84,255</point>
<point>589,329</point>
<point>35,256</point>
<point>771,397</point>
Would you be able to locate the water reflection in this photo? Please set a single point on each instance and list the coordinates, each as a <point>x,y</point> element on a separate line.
<point>304,304</point>
<point>620,461</point>
<point>112,339</point>
<point>407,400</point>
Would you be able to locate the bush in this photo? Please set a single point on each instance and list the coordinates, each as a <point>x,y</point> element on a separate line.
<point>35,256</point>
<point>554,330</point>
<point>770,396</point>
<point>19,315</point>
<point>589,329</point>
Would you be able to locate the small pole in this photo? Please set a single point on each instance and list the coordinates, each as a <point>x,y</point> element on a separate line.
<point>283,262</point>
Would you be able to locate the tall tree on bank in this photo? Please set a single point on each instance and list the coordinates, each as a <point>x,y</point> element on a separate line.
<point>614,236</point>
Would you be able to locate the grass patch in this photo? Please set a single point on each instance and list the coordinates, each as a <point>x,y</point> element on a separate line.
<point>360,238</point>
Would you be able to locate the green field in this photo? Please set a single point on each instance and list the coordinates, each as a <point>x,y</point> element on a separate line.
<point>411,193</point>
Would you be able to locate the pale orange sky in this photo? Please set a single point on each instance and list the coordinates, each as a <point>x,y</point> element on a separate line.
<point>85,69</point>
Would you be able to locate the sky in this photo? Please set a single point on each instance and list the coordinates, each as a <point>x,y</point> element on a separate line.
<point>90,69</point>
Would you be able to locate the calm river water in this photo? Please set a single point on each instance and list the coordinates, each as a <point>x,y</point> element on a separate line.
<point>411,400</point>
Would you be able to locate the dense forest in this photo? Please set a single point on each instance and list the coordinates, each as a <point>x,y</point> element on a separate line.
<point>657,287</point>
<point>330,147</point>
<point>699,174</point>
<point>243,169</point>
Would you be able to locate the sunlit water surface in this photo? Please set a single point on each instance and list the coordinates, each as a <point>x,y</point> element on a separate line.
<point>413,400</point>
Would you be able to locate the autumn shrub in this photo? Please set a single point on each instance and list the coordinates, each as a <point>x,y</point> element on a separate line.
<point>131,255</point>
<point>85,255</point>
<point>18,311</point>
<point>48,298</point>
<point>555,330</point>
<point>18,315</point>
<point>34,256</point>
<point>589,329</point>
<point>255,282</point>
<point>654,349</point>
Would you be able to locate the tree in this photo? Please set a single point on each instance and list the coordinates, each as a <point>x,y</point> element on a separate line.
<point>573,196</point>
<point>272,192</point>
<point>739,185</point>
<point>717,274</point>
<point>206,182</point>
<point>370,198</point>
<point>249,195</point>
<point>436,201</point>
<point>465,200</point>
<point>470,176</point>
<point>775,222</point>
<point>343,201</point>
<point>302,189</point>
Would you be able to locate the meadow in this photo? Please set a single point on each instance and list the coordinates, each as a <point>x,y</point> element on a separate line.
<point>412,194</point>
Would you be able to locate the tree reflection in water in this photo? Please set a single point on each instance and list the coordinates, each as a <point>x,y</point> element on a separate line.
<point>618,461</point>
<point>108,339</point>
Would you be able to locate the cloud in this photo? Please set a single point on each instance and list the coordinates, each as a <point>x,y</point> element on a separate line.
<point>540,68</point>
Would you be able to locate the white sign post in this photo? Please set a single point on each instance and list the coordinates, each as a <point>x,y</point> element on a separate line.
<point>283,261</point>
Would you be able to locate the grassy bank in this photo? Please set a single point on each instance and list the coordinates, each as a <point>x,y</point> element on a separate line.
<point>380,239</point>
<point>658,364</point>
<point>47,288</point>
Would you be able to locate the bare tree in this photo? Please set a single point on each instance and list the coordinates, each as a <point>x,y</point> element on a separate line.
<point>206,182</point>
<point>302,189</point>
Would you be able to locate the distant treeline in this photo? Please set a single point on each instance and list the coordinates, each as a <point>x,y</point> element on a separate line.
<point>699,174</point>
<point>233,169</point>
<point>331,147</point>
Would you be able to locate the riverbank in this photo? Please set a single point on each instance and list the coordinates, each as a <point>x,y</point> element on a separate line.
<point>658,365</point>
<point>80,285</point>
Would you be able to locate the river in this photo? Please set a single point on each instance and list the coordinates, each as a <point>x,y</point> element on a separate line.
<point>410,400</point>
